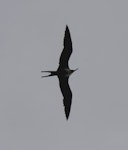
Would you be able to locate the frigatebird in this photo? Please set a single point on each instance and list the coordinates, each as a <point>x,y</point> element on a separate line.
<point>63,72</point>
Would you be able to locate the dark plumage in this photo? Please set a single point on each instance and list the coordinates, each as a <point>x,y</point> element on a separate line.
<point>63,72</point>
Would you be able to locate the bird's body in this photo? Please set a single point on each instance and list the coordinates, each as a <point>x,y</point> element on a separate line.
<point>63,72</point>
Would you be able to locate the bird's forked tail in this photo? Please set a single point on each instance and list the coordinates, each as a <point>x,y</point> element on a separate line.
<point>52,73</point>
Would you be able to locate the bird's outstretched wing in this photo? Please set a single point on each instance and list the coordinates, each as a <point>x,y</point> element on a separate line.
<point>67,50</point>
<point>67,94</point>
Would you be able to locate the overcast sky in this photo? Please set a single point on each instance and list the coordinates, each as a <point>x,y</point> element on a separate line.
<point>31,108</point>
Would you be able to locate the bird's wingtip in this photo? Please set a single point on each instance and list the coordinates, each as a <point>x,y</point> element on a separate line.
<point>67,112</point>
<point>67,117</point>
<point>67,27</point>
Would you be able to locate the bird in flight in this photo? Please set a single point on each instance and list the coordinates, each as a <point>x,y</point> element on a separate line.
<point>63,72</point>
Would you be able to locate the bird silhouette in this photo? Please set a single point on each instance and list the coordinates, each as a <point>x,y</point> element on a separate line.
<point>63,72</point>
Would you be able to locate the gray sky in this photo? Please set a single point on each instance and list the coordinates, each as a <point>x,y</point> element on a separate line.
<point>31,108</point>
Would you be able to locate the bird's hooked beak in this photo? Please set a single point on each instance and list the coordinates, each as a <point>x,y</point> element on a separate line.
<point>75,69</point>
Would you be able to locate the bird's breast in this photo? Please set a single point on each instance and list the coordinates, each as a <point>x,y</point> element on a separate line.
<point>64,72</point>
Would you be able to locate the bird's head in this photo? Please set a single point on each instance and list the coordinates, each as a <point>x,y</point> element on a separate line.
<point>74,70</point>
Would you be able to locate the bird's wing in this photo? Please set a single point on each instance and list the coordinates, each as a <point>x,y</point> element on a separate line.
<point>67,50</point>
<point>67,94</point>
